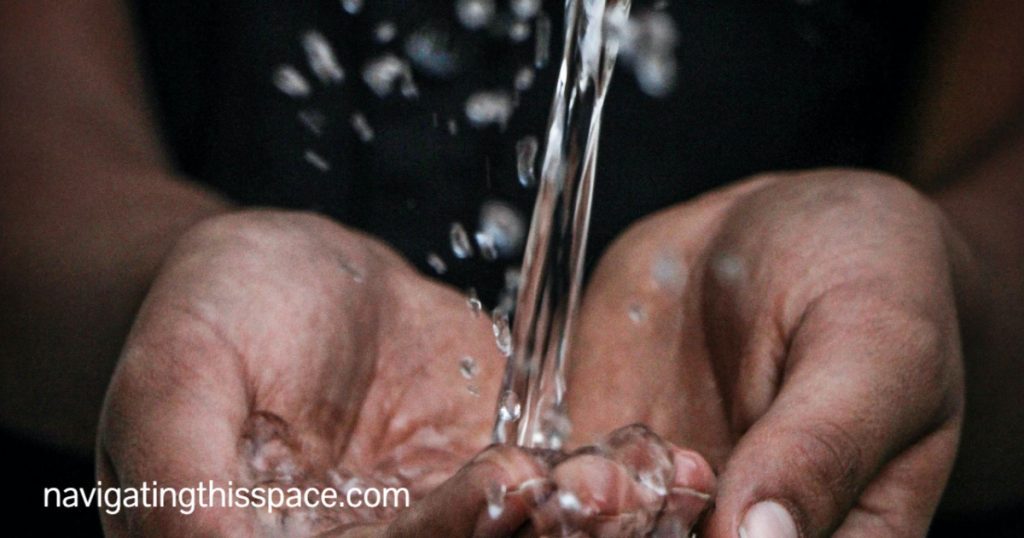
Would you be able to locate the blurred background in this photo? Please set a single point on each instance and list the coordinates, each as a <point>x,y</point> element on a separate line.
<point>408,122</point>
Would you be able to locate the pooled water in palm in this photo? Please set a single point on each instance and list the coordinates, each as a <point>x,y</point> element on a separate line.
<point>553,261</point>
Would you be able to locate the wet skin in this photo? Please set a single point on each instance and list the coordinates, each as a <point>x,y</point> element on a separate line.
<point>799,331</point>
<point>281,349</point>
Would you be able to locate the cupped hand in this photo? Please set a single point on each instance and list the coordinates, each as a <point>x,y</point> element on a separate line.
<point>281,350</point>
<point>800,330</point>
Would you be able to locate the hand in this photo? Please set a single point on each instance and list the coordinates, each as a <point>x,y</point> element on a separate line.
<point>279,349</point>
<point>799,330</point>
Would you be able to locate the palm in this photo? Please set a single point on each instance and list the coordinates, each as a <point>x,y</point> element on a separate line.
<point>801,333</point>
<point>281,350</point>
<point>333,362</point>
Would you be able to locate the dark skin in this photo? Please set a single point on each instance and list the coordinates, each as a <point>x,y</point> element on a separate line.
<point>751,356</point>
<point>366,384</point>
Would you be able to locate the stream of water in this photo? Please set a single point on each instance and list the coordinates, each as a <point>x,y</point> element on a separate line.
<point>531,407</point>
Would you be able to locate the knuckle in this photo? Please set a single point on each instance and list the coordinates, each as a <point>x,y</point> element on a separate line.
<point>831,462</point>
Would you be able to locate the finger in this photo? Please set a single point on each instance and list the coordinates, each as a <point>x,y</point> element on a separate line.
<point>149,431</point>
<point>493,495</point>
<point>621,486</point>
<point>902,499</point>
<point>688,497</point>
<point>863,382</point>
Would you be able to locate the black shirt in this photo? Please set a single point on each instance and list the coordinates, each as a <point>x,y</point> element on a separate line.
<point>762,85</point>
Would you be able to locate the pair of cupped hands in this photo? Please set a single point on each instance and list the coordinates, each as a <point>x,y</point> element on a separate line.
<point>790,344</point>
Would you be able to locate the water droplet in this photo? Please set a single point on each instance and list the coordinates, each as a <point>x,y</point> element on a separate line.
<point>524,79</point>
<point>461,246</point>
<point>381,73</point>
<point>519,31</point>
<point>513,277</point>
<point>290,82</point>
<point>656,75</point>
<point>313,120</point>
<point>501,230</point>
<point>408,85</point>
<point>474,302</point>
<point>362,127</point>
<point>542,41</point>
<point>431,51</point>
<point>569,502</point>
<point>317,161</point>
<point>727,267</point>
<point>385,32</point>
<point>555,428</point>
<point>669,272</point>
<point>474,14</point>
<point>356,274</point>
<point>453,126</point>
<point>436,263</point>
<point>524,9</point>
<point>352,7</point>
<point>468,367</point>
<point>643,454</point>
<point>502,332</point>
<point>489,107</point>
<point>654,481</point>
<point>648,46</point>
<point>526,157</point>
<point>485,244</point>
<point>321,58</point>
<point>637,314</point>
<point>509,408</point>
<point>495,500</point>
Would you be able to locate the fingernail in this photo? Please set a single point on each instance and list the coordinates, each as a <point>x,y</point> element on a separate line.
<point>768,519</point>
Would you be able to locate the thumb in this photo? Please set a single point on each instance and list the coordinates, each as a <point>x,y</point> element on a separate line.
<point>861,390</point>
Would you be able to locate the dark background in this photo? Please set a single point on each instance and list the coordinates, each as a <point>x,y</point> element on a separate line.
<point>763,85</point>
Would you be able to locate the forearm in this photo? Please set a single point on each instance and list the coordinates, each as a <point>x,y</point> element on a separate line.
<point>87,210</point>
<point>986,206</point>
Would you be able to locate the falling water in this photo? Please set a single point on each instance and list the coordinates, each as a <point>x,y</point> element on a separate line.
<point>531,407</point>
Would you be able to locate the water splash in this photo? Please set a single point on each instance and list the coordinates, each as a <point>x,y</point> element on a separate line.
<point>317,161</point>
<point>313,120</point>
<point>431,51</point>
<point>548,299</point>
<point>352,7</point>
<point>524,79</point>
<point>459,239</point>
<point>383,73</point>
<point>489,107</point>
<point>473,300</point>
<point>502,332</point>
<point>468,367</point>
<point>526,157</point>
<point>436,263</point>
<point>509,408</point>
<point>290,82</point>
<point>385,32</point>
<point>495,500</point>
<point>542,41</point>
<point>525,9</point>
<point>362,127</point>
<point>501,229</point>
<point>475,14</point>
<point>519,31</point>
<point>321,59</point>
<point>648,48</point>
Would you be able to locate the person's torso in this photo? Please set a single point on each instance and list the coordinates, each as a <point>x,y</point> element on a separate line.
<point>760,86</point>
